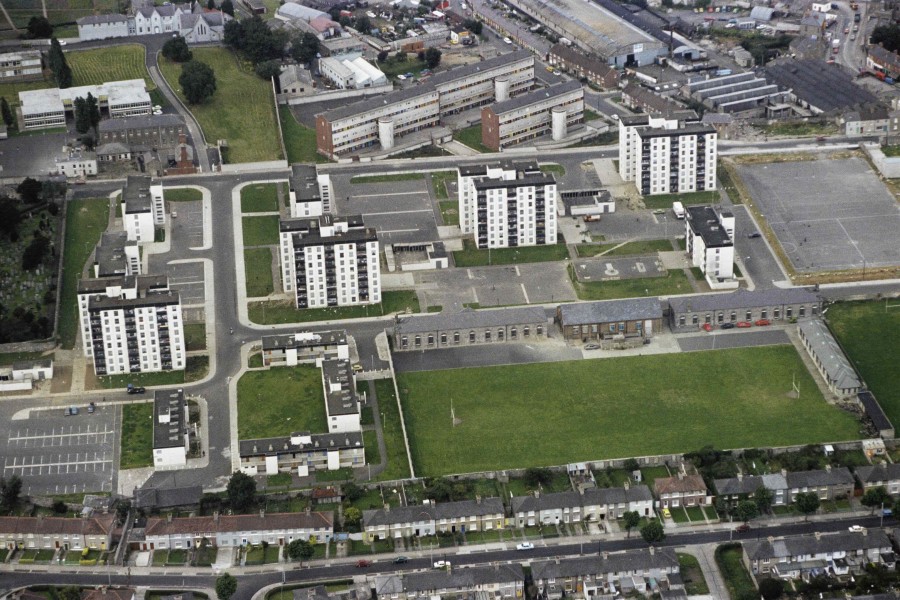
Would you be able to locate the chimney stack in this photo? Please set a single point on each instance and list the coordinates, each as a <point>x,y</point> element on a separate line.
<point>169,518</point>
<point>740,475</point>
<point>652,550</point>
<point>828,468</point>
<point>477,498</point>
<point>784,472</point>
<point>537,493</point>
<point>387,508</point>
<point>262,513</point>
<point>818,535</point>
<point>604,554</point>
<point>627,484</point>
<point>216,517</point>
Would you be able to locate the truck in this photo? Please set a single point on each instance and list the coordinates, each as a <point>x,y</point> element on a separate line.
<point>678,209</point>
<point>857,18</point>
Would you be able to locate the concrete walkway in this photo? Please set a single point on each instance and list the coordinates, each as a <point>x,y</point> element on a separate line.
<point>705,554</point>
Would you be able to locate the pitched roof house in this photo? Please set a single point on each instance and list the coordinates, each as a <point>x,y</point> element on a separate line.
<point>681,490</point>
<point>57,532</point>
<point>813,555</point>
<point>547,509</point>
<point>428,519</point>
<point>642,571</point>
<point>611,503</point>
<point>887,475</point>
<point>497,581</point>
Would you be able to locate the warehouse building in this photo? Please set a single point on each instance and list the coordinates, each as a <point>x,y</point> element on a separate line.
<point>380,120</point>
<point>351,72</point>
<point>551,110</point>
<point>819,87</point>
<point>737,93</point>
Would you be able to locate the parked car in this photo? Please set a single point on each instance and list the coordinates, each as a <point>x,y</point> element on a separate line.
<point>744,324</point>
<point>856,528</point>
<point>400,560</point>
<point>667,514</point>
<point>706,327</point>
<point>742,528</point>
<point>592,347</point>
<point>357,368</point>
<point>136,390</point>
<point>72,410</point>
<point>441,564</point>
<point>754,234</point>
<point>506,40</point>
<point>727,326</point>
<point>525,546</point>
<point>91,408</point>
<point>762,322</point>
<point>363,563</point>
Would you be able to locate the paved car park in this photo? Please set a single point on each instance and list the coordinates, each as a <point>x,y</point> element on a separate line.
<point>862,227</point>
<point>611,269</point>
<point>735,338</point>
<point>57,454</point>
<point>186,227</point>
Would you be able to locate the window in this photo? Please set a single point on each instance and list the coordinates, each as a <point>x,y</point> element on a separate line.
<point>694,319</point>
<point>681,321</point>
<point>802,311</point>
<point>526,331</point>
<point>777,313</point>
<point>733,316</point>
<point>512,333</point>
<point>720,317</point>
<point>418,341</point>
<point>455,337</point>
<point>764,314</point>
<point>709,318</point>
<point>540,330</point>
<point>749,315</point>
<point>443,338</point>
<point>471,337</point>
<point>487,335</point>
<point>430,339</point>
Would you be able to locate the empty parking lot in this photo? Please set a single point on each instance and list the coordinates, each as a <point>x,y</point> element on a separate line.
<point>827,214</point>
<point>401,211</point>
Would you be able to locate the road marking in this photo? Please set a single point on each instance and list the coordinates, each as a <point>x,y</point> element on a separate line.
<point>527,301</point>
<point>383,231</point>
<point>517,271</point>
<point>67,464</point>
<point>416,193</point>
<point>61,435</point>
<point>398,212</point>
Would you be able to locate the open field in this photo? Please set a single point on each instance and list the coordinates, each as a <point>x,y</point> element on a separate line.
<point>137,436</point>
<point>869,331</point>
<point>471,137</point>
<point>299,141</point>
<point>397,463</point>
<point>260,231</point>
<point>280,401</point>
<point>258,271</point>
<point>242,111</point>
<point>612,408</point>
<point>114,63</point>
<point>85,221</point>
<point>471,256</point>
<point>629,248</point>
<point>676,282</point>
<point>262,197</point>
<point>687,198</point>
<point>449,212</point>
<point>58,11</point>
<point>278,312</point>
<point>183,195</point>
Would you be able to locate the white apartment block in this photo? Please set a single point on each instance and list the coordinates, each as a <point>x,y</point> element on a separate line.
<point>667,155</point>
<point>551,110</point>
<point>48,107</point>
<point>131,324</point>
<point>25,64</point>
<point>143,208</point>
<point>330,261</point>
<point>341,402</point>
<point>709,242</point>
<point>171,438</point>
<point>292,349</point>
<point>309,192</point>
<point>380,120</point>
<point>507,205</point>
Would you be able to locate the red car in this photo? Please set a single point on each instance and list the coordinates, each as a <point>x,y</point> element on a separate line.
<point>744,324</point>
<point>742,528</point>
<point>363,563</point>
<point>763,323</point>
<point>706,327</point>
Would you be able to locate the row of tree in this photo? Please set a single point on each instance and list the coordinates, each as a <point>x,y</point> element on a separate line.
<point>56,60</point>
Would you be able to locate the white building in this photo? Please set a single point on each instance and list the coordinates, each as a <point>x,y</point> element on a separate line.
<point>351,72</point>
<point>48,107</point>
<point>330,261</point>
<point>143,208</point>
<point>507,205</point>
<point>77,164</point>
<point>292,349</point>
<point>159,19</point>
<point>171,437</point>
<point>709,239</point>
<point>203,27</point>
<point>309,193</point>
<point>341,402</point>
<point>116,256</point>
<point>667,155</point>
<point>131,324</point>
<point>101,27</point>
<point>25,64</point>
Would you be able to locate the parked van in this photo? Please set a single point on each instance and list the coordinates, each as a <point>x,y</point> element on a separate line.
<point>678,209</point>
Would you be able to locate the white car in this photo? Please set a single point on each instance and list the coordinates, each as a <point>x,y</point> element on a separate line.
<point>441,564</point>
<point>856,528</point>
<point>506,40</point>
<point>525,546</point>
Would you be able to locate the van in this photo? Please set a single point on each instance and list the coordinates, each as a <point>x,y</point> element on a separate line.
<point>678,209</point>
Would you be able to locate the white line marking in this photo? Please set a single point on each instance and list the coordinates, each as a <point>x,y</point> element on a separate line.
<point>527,301</point>
<point>398,212</point>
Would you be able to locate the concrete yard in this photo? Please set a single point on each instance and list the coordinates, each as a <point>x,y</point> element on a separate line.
<point>612,269</point>
<point>827,214</point>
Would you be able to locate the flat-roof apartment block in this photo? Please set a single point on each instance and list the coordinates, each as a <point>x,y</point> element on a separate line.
<point>48,108</point>
<point>143,208</point>
<point>22,65</point>
<point>330,261</point>
<point>302,453</point>
<point>710,241</point>
<point>341,402</point>
<point>292,349</point>
<point>171,436</point>
<point>309,192</point>
<point>507,205</point>
<point>668,155</point>
<point>381,119</point>
<point>550,110</point>
<point>131,325</point>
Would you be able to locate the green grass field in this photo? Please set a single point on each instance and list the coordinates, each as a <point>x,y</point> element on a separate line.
<point>242,111</point>
<point>471,137</point>
<point>471,256</point>
<point>58,11</point>
<point>694,582</point>
<point>612,408</point>
<point>258,270</point>
<point>137,436</point>
<point>449,212</point>
<point>273,312</point>
<point>195,336</point>
<point>280,401</point>
<point>183,195</point>
<point>397,462</point>
<point>440,179</point>
<point>868,331</point>
<point>687,198</point>
<point>114,63</point>
<point>260,231</point>
<point>299,140</point>
<point>195,368</point>
<point>389,178</point>
<point>729,558</point>
<point>629,248</point>
<point>262,197</point>
<point>85,221</point>
<point>555,169</point>
<point>676,282</point>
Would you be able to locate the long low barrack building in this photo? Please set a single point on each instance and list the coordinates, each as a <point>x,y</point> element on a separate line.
<point>550,110</point>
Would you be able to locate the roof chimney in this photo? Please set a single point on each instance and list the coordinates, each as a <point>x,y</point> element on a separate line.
<point>216,516</point>
<point>169,518</point>
<point>537,493</point>
<point>681,475</point>
<point>771,539</point>
<point>828,468</point>
<point>627,484</point>
<point>784,472</point>
<point>387,508</point>
<point>652,550</point>
<point>477,498</point>
<point>262,513</point>
<point>604,554</point>
<point>740,475</point>
<point>865,531</point>
<point>818,535</point>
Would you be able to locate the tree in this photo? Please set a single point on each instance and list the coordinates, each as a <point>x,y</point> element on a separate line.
<point>197,81</point>
<point>382,56</point>
<point>631,518</point>
<point>771,589</point>
<point>439,490</point>
<point>746,510</point>
<point>59,507</point>
<point>9,493</point>
<point>227,7</point>
<point>241,491</point>
<point>807,503</point>
<point>64,77</point>
<point>261,43</point>
<point>29,190</point>
<point>538,476</point>
<point>474,26</point>
<point>6,112</point>
<point>363,24</point>
<point>631,465</point>
<point>226,586</point>
<point>653,532</point>
<point>432,58</point>
<point>888,36</point>
<point>56,60</point>
<point>400,56</point>
<point>39,27</point>
<point>122,510</point>
<point>10,217</point>
<point>35,252</point>
<point>234,34</point>
<point>176,49</point>
<point>82,116</point>
<point>93,110</point>
<point>763,497</point>
<point>352,516</point>
<point>876,497</point>
<point>211,4</point>
<point>304,47</point>
<point>352,492</point>
<point>70,592</point>
<point>269,69</point>
<point>300,550</point>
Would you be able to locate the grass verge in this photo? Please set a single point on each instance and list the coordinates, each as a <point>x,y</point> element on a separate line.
<point>471,256</point>
<point>258,271</point>
<point>280,401</point>
<point>260,231</point>
<point>471,137</point>
<point>195,369</point>
<point>694,582</point>
<point>183,195</point>
<point>195,336</point>
<point>676,282</point>
<point>388,178</point>
<point>299,140</point>
<point>439,180</point>
<point>137,436</point>
<point>278,312</point>
<point>397,462</point>
<point>627,249</point>
<point>449,212</point>
<point>737,579</point>
<point>688,199</point>
<point>260,197</point>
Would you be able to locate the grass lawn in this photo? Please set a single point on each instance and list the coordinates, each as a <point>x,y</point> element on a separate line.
<point>557,170</point>
<point>195,368</point>
<point>278,480</point>
<point>642,404</point>
<point>11,357</point>
<point>370,441</point>
<point>258,269</point>
<point>629,248</point>
<point>679,515</point>
<point>195,336</point>
<point>277,312</point>
<point>449,212</point>
<point>176,557</point>
<point>256,555</point>
<point>439,180</point>
<point>694,582</point>
<point>471,137</point>
<point>85,221</point>
<point>182,195</point>
<point>389,178</point>
<point>695,513</point>
<point>731,565</point>
<point>471,256</point>
<point>137,436</point>
<point>261,197</point>
<point>260,231</point>
<point>868,331</point>
<point>299,140</point>
<point>687,198</point>
<point>280,401</point>
<point>242,111</point>
<point>397,463</point>
<point>675,283</point>
<point>114,63</point>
